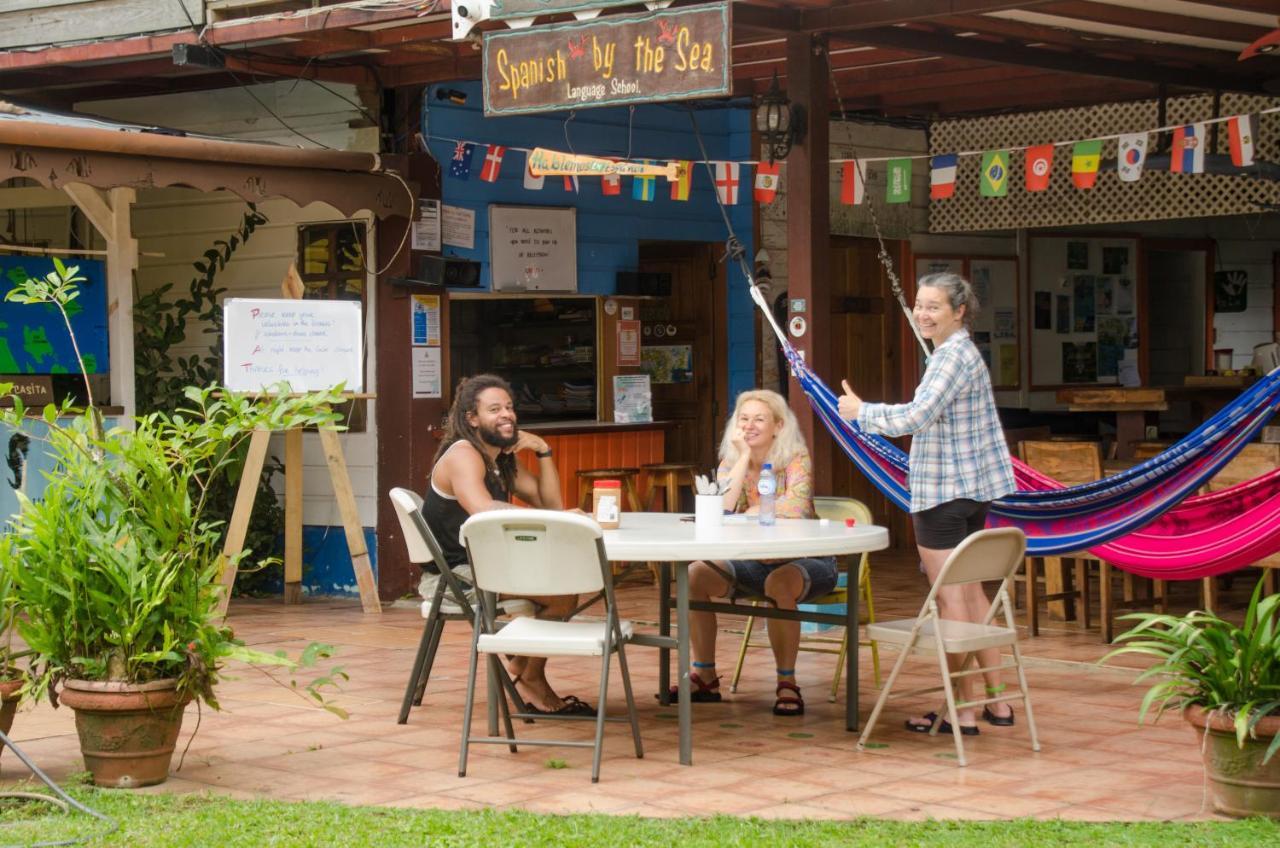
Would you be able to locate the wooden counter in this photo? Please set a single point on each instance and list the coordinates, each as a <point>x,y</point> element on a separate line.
<point>584,445</point>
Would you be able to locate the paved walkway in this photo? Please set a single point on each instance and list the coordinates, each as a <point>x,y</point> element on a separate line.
<point>1097,762</point>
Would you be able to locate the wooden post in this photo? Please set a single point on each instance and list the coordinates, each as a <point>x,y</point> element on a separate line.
<point>241,512</point>
<point>293,516</point>
<point>110,216</point>
<point>809,236</point>
<point>350,521</point>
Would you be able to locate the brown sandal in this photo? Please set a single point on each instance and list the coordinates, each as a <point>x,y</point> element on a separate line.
<point>700,691</point>
<point>788,705</point>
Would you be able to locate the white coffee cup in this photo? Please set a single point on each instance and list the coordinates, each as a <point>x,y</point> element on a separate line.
<point>708,510</point>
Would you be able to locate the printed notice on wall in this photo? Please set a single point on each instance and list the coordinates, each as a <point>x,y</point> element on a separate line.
<point>628,344</point>
<point>426,230</point>
<point>533,248</point>
<point>632,399</point>
<point>458,226</point>
<point>306,344</point>
<point>426,372</point>
<point>424,315</point>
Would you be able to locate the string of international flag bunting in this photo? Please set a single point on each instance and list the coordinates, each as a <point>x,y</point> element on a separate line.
<point>1187,156</point>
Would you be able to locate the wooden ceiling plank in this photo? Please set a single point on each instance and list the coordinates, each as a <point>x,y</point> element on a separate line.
<point>1088,65</point>
<point>1033,33</point>
<point>878,13</point>
<point>1144,19</point>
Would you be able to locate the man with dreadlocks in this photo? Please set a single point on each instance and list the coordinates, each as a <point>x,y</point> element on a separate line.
<point>475,470</point>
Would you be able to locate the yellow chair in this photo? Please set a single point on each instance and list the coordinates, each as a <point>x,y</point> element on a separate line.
<point>834,509</point>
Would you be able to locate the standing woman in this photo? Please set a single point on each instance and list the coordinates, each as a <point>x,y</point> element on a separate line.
<point>959,463</point>
<point>761,430</point>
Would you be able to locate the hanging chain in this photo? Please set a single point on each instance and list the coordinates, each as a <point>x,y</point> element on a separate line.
<point>883,253</point>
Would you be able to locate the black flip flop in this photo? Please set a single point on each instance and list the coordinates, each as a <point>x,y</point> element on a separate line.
<point>999,721</point>
<point>943,727</point>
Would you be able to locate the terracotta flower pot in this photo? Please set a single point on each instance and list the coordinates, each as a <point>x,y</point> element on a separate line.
<point>8,705</point>
<point>1241,785</point>
<point>127,731</point>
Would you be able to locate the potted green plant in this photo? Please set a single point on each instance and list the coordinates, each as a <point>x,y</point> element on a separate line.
<point>114,569</point>
<point>1225,680</point>
<point>11,677</point>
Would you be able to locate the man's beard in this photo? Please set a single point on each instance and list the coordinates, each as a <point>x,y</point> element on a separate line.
<point>496,439</point>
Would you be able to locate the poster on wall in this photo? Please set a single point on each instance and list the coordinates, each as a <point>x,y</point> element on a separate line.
<point>1115,260</point>
<point>1112,332</point>
<point>1124,296</point>
<point>1063,324</point>
<point>34,339</point>
<point>1008,364</point>
<point>668,363</point>
<point>1079,362</point>
<point>1230,291</point>
<point>1044,310</point>
<point>1004,324</point>
<point>632,399</point>
<point>1083,303</point>
<point>1105,296</point>
<point>1078,255</point>
<point>628,344</point>
<point>424,318</point>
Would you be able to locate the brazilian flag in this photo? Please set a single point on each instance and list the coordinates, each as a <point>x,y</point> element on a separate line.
<point>995,173</point>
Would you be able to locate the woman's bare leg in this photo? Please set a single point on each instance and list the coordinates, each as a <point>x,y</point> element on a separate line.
<point>705,583</point>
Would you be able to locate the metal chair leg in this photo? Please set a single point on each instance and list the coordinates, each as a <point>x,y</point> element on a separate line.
<point>742,650</point>
<point>470,703</point>
<point>601,701</point>
<point>411,688</point>
<point>631,701</point>
<point>424,674</point>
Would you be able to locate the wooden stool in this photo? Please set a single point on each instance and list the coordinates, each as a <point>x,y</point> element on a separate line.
<point>587,479</point>
<point>667,477</point>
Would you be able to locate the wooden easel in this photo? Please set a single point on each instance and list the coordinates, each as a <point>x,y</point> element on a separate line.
<point>247,494</point>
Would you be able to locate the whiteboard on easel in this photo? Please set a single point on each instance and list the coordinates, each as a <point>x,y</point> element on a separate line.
<point>309,344</point>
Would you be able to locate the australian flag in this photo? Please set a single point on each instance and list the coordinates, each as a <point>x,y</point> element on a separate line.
<point>460,167</point>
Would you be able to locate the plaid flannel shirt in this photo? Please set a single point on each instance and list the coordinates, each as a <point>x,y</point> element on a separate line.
<point>958,449</point>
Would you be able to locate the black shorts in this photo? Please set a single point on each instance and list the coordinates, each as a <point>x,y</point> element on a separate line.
<point>946,525</point>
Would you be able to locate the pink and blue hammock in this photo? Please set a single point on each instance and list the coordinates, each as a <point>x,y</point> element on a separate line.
<point>1145,520</point>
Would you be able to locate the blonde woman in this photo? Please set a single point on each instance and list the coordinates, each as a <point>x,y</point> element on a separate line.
<point>762,429</point>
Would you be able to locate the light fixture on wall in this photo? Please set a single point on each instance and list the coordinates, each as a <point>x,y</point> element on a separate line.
<point>780,122</point>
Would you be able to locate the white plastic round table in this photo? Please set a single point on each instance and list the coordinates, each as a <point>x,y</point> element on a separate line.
<point>673,538</point>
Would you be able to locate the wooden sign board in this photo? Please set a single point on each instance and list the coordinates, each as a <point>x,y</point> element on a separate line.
<point>669,54</point>
<point>308,344</point>
<point>35,390</point>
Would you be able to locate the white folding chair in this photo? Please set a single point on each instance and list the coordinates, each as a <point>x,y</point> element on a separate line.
<point>986,555</point>
<point>544,552</point>
<point>449,600</point>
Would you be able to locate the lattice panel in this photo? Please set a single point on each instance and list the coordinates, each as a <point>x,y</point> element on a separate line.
<point>1157,195</point>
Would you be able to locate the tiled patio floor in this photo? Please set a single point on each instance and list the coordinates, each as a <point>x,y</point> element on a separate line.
<point>1096,761</point>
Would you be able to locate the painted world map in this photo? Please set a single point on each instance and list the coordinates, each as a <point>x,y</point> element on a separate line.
<point>33,337</point>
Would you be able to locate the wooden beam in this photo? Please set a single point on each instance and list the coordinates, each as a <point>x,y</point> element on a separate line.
<point>864,14</point>
<point>1087,65</point>
<point>1175,55</point>
<point>809,234</point>
<point>1159,21</point>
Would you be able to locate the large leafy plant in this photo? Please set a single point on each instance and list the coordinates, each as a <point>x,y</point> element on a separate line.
<point>115,570</point>
<point>1205,661</point>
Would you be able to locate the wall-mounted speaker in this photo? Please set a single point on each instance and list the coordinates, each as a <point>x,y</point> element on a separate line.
<point>643,284</point>
<point>449,271</point>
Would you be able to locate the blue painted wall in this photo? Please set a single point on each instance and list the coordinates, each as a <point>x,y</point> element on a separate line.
<point>609,228</point>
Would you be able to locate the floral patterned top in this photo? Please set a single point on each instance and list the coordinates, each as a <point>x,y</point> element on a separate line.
<point>795,488</point>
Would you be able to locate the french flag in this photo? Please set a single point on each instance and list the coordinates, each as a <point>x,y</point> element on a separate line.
<point>942,176</point>
<point>1187,156</point>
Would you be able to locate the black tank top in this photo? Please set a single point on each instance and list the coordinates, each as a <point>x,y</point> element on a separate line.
<point>445,516</point>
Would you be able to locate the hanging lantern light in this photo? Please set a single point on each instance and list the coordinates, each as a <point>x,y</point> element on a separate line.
<point>779,121</point>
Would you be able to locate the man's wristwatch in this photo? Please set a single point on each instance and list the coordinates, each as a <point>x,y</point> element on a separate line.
<point>542,454</point>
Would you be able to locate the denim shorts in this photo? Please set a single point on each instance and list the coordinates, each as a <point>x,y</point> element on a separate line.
<point>820,575</point>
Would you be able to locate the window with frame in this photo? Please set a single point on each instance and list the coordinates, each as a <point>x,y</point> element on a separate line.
<point>332,264</point>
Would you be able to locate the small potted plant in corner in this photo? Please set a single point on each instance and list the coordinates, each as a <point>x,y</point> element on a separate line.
<point>11,677</point>
<point>114,570</point>
<point>1225,679</point>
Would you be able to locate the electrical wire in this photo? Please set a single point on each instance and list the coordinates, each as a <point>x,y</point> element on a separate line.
<point>62,800</point>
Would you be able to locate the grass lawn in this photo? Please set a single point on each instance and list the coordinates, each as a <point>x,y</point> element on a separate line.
<point>148,821</point>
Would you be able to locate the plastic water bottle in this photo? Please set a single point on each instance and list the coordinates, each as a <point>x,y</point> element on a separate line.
<point>768,488</point>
